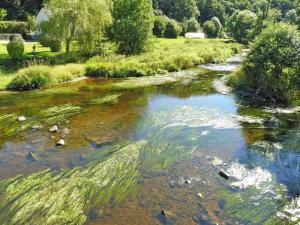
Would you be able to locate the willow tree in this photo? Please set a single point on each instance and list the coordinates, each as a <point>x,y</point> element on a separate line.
<point>82,21</point>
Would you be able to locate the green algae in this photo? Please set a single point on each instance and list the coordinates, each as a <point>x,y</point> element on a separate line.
<point>9,125</point>
<point>108,99</point>
<point>67,196</point>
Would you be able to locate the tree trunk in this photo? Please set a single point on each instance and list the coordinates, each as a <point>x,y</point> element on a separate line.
<point>68,42</point>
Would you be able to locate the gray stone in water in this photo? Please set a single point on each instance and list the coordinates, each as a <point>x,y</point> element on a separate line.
<point>30,157</point>
<point>21,118</point>
<point>66,131</point>
<point>54,129</point>
<point>223,174</point>
<point>36,127</point>
<point>61,142</point>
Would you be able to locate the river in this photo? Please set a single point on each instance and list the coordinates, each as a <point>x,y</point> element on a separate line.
<point>148,150</point>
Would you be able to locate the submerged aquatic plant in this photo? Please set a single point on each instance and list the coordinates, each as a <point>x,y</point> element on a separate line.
<point>108,99</point>
<point>67,196</point>
<point>9,125</point>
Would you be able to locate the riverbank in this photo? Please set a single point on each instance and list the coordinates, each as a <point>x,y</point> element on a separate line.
<point>168,55</point>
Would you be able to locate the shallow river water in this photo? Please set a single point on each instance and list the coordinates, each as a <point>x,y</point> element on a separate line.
<point>147,151</point>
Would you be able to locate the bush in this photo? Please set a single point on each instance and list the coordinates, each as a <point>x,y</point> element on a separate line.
<point>31,78</point>
<point>55,45</point>
<point>15,47</point>
<point>210,29</point>
<point>14,27</point>
<point>3,13</point>
<point>173,30</point>
<point>273,66</point>
<point>192,25</point>
<point>40,76</point>
<point>241,26</point>
<point>159,26</point>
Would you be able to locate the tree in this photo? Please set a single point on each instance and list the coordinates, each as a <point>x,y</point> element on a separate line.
<point>77,20</point>
<point>159,27</point>
<point>133,24</point>
<point>273,66</point>
<point>241,26</point>
<point>172,30</point>
<point>177,9</point>
<point>210,29</point>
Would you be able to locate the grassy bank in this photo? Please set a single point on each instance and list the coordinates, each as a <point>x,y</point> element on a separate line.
<point>168,55</point>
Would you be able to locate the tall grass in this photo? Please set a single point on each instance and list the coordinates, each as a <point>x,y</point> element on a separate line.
<point>167,56</point>
<point>40,76</point>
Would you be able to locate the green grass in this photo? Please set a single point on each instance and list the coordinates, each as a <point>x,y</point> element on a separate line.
<point>168,55</point>
<point>40,51</point>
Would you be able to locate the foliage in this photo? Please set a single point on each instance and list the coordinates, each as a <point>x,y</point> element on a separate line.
<point>133,24</point>
<point>241,26</point>
<point>173,30</point>
<point>218,25</point>
<point>210,29</point>
<point>273,66</point>
<point>167,55</point>
<point>31,22</point>
<point>3,14</point>
<point>192,25</point>
<point>14,27</point>
<point>177,9</point>
<point>41,76</point>
<point>82,21</point>
<point>159,27</point>
<point>15,47</point>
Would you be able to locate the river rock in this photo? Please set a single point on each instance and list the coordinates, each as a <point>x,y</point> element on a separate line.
<point>200,195</point>
<point>223,174</point>
<point>61,142</point>
<point>36,127</point>
<point>66,131</point>
<point>30,157</point>
<point>21,118</point>
<point>54,129</point>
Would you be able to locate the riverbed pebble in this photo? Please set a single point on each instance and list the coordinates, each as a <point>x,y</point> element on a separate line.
<point>21,118</point>
<point>61,142</point>
<point>54,129</point>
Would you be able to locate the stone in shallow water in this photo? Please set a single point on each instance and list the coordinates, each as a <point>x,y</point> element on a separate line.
<point>53,129</point>
<point>21,118</point>
<point>36,127</point>
<point>66,131</point>
<point>31,157</point>
<point>223,174</point>
<point>61,142</point>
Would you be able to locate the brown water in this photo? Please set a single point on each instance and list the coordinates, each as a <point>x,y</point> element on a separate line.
<point>145,145</point>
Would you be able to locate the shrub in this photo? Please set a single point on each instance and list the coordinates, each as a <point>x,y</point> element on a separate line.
<point>159,26</point>
<point>41,76</point>
<point>15,47</point>
<point>273,66</point>
<point>3,13</point>
<point>241,26</point>
<point>210,29</point>
<point>173,30</point>
<point>31,78</point>
<point>192,25</point>
<point>14,27</point>
<point>55,45</point>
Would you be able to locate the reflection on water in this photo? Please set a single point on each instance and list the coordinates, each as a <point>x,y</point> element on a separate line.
<point>138,146</point>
